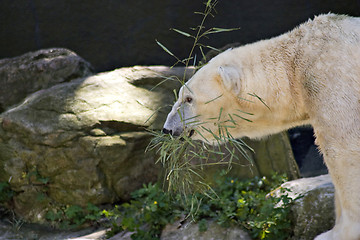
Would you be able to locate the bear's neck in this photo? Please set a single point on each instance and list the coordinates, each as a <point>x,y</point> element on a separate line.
<point>273,90</point>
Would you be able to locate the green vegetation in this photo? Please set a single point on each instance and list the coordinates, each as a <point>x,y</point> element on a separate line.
<point>73,216</point>
<point>148,212</point>
<point>231,202</point>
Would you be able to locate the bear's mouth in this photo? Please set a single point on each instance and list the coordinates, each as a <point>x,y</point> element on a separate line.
<point>192,131</point>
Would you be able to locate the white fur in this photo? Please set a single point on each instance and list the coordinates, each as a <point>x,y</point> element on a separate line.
<point>308,75</point>
<point>231,78</point>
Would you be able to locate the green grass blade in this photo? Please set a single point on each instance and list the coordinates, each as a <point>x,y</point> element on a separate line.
<point>219,30</point>
<point>236,115</point>
<point>165,49</point>
<point>182,32</point>
<point>213,99</point>
<point>260,99</point>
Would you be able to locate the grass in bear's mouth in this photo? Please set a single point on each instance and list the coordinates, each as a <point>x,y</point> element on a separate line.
<point>184,159</point>
<point>191,133</point>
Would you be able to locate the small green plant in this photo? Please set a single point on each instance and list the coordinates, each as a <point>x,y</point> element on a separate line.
<point>148,212</point>
<point>231,202</point>
<point>246,203</point>
<point>35,177</point>
<point>73,216</point>
<point>5,192</point>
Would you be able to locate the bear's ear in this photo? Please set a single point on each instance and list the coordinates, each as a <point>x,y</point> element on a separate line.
<point>231,78</point>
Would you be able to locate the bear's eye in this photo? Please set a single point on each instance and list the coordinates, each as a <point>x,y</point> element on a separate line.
<point>188,99</point>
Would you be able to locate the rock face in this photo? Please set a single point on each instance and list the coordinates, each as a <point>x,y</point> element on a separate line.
<point>83,141</point>
<point>314,212</point>
<point>26,74</point>
<point>271,155</point>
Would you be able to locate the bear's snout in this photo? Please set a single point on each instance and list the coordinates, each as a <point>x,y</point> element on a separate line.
<point>166,131</point>
<point>176,132</point>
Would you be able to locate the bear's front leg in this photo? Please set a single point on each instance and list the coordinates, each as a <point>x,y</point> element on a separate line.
<point>344,167</point>
<point>344,229</point>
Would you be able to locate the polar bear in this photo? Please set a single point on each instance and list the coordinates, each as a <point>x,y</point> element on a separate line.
<point>310,75</point>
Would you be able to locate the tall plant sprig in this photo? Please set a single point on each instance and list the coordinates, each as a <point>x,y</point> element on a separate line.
<point>183,158</point>
<point>200,33</point>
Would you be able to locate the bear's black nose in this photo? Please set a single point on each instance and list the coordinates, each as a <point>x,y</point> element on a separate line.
<point>167,131</point>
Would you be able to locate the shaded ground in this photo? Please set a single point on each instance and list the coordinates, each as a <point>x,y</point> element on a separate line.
<point>17,230</point>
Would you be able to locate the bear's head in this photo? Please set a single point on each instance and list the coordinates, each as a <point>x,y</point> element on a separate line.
<point>210,103</point>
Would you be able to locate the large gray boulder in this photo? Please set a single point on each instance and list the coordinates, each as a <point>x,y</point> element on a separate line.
<point>83,141</point>
<point>26,74</point>
<point>313,211</point>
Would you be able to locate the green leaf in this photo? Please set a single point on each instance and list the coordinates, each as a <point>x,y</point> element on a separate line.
<point>73,211</point>
<point>213,99</point>
<point>213,48</point>
<point>248,120</point>
<point>181,32</point>
<point>260,99</point>
<point>165,49</point>
<point>245,112</point>
<point>219,30</point>
<point>203,226</point>
<point>208,3</point>
<point>202,53</point>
